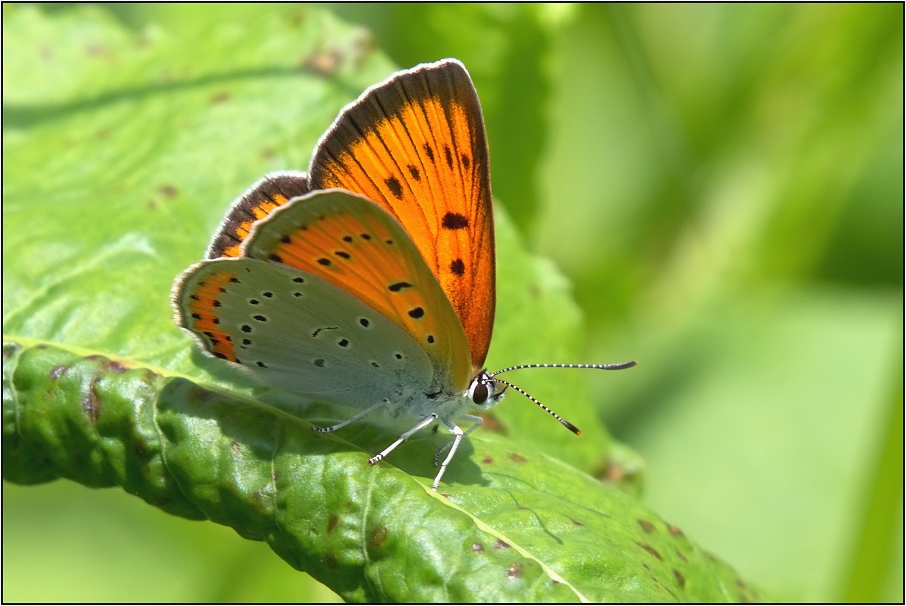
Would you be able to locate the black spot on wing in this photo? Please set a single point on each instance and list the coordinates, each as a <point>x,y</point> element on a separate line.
<point>414,172</point>
<point>455,221</point>
<point>458,267</point>
<point>395,188</point>
<point>398,286</point>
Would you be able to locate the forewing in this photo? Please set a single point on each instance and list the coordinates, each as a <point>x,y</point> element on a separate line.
<point>350,242</point>
<point>415,145</point>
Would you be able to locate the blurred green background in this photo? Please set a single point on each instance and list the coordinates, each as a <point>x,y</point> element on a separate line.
<point>724,186</point>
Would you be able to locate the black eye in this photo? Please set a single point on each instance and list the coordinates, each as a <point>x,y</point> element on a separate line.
<point>480,393</point>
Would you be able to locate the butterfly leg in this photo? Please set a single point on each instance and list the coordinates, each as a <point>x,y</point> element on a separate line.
<point>458,435</point>
<point>348,421</point>
<point>476,422</point>
<point>422,424</point>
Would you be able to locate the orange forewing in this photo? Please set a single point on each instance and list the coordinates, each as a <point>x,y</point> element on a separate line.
<point>348,241</point>
<point>416,146</point>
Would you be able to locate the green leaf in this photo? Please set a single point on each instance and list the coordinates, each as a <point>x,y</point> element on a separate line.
<point>116,179</point>
<point>513,524</point>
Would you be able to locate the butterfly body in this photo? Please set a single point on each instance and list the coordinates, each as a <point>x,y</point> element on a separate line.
<point>366,283</point>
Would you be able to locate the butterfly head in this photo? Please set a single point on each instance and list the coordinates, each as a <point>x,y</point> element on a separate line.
<point>484,391</point>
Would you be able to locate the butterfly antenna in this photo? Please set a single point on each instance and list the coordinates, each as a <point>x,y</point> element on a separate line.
<point>565,423</point>
<point>618,366</point>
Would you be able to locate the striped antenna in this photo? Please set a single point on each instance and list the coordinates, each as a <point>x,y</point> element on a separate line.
<point>566,423</point>
<point>618,366</point>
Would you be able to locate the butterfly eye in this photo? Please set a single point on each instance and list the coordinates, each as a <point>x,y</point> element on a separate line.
<point>480,393</point>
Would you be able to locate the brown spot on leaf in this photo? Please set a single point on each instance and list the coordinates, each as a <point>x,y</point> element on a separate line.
<point>57,372</point>
<point>488,460</point>
<point>613,473</point>
<point>679,577</point>
<point>116,367</point>
<point>168,191</point>
<point>514,571</point>
<point>516,458</point>
<point>378,536</point>
<point>675,531</point>
<point>499,544</point>
<point>492,423</point>
<point>332,522</point>
<point>234,447</point>
<point>681,556</point>
<point>477,548</point>
<point>576,523</point>
<point>650,550</point>
<point>324,63</point>
<point>91,404</point>
<point>646,525</point>
<point>221,97</point>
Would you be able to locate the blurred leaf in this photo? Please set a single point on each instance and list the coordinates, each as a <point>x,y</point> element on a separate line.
<point>874,556</point>
<point>760,423</point>
<point>101,546</point>
<point>702,147</point>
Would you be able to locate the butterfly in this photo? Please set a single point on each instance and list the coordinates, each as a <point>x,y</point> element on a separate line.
<point>368,283</point>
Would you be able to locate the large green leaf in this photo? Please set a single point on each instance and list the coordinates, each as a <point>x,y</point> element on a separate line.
<point>513,525</point>
<point>121,150</point>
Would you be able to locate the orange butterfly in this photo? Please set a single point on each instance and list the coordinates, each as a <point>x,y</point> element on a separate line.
<point>369,281</point>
